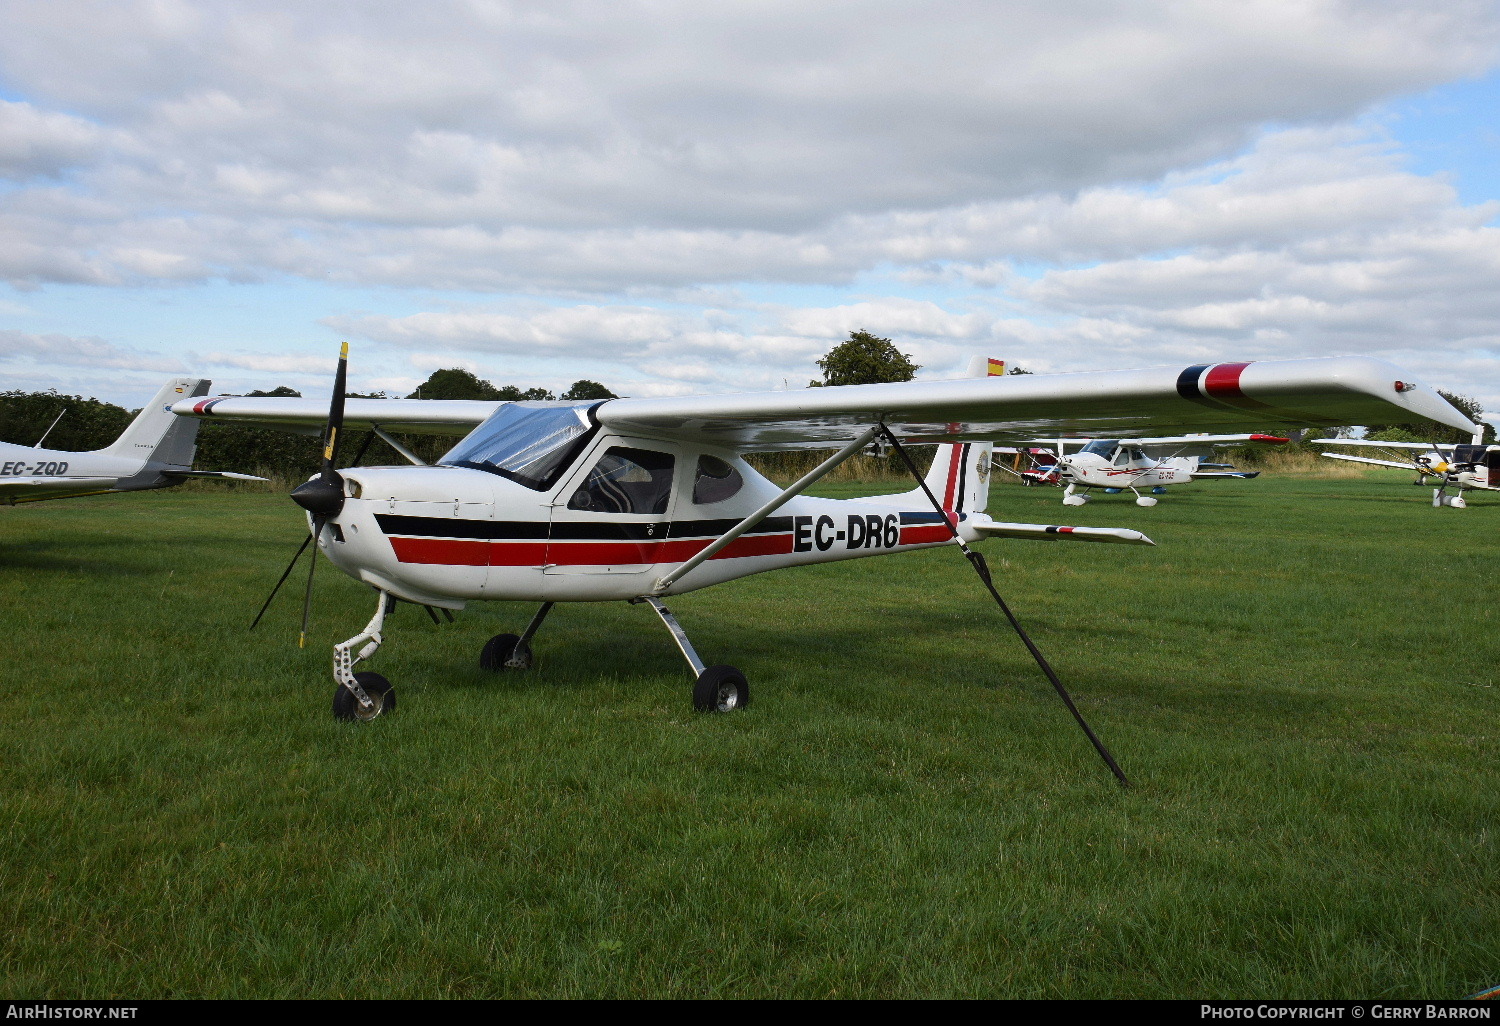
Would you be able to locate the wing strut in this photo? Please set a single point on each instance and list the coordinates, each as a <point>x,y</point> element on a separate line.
<point>983,570</point>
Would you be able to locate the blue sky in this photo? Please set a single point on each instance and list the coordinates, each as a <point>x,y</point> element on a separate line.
<point>675,199</point>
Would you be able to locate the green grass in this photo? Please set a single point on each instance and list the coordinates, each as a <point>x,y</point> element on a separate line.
<point>1301,681</point>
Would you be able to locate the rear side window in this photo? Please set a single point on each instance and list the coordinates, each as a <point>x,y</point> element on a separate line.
<point>716,481</point>
<point>626,481</point>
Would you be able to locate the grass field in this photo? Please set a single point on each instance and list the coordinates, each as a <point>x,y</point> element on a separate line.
<point>1302,680</point>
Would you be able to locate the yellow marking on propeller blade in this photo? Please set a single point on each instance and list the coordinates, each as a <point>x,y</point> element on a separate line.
<point>302,639</point>
<point>344,351</point>
<point>332,438</point>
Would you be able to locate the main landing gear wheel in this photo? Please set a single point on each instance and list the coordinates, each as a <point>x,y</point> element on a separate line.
<point>347,707</point>
<point>720,689</point>
<point>505,652</point>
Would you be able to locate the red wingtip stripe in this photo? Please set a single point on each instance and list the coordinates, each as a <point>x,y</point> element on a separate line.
<point>1223,381</point>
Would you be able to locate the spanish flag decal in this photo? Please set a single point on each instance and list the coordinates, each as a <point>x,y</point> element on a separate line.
<point>997,367</point>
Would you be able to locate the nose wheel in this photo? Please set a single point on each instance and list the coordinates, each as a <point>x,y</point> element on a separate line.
<point>346,706</point>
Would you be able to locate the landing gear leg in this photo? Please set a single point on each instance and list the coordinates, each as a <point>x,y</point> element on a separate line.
<point>716,688</point>
<point>1440,497</point>
<point>508,652</point>
<point>362,696</point>
<point>1071,498</point>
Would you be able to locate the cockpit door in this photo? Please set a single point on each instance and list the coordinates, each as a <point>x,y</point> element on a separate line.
<point>613,513</point>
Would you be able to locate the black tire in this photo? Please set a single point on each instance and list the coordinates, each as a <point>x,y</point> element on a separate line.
<point>720,689</point>
<point>346,706</point>
<point>499,649</point>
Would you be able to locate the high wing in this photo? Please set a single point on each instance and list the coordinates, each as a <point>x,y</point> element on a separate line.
<point>307,416</point>
<point>1365,459</point>
<point>1428,446</point>
<point>1107,404</point>
<point>1110,404</point>
<point>1212,475</point>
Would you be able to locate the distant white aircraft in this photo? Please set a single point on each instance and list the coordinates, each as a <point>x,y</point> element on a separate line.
<point>1116,466</point>
<point>154,451</point>
<point>1465,467</point>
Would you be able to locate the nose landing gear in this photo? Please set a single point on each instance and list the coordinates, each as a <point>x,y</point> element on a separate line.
<point>362,696</point>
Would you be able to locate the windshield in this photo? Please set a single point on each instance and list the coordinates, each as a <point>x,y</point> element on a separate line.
<point>531,443</point>
<point>1101,447</point>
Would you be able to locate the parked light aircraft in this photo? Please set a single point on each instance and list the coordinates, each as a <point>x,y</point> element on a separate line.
<point>154,451</point>
<point>1465,467</point>
<point>1117,465</point>
<point>643,499</point>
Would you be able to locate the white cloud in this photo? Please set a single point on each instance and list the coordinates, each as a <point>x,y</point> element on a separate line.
<point>36,143</point>
<point>318,367</point>
<point>490,145</point>
<point>57,350</point>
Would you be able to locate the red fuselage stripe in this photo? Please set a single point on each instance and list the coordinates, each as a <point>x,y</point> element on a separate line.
<point>465,552</point>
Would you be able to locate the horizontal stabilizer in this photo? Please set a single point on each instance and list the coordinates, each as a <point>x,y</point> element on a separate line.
<point>1043,532</point>
<point>229,475</point>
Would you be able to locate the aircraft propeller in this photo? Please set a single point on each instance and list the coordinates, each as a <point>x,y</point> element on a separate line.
<point>321,496</point>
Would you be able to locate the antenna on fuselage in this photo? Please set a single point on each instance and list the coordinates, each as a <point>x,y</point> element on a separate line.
<point>55,419</point>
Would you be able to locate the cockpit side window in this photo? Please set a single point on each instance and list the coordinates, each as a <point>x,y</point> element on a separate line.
<point>529,443</point>
<point>626,481</point>
<point>716,481</point>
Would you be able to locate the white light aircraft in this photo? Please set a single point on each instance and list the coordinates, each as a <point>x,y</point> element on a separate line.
<point>1117,465</point>
<point>642,499</point>
<point>154,451</point>
<point>1455,465</point>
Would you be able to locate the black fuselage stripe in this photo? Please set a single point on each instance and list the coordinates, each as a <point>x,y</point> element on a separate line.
<point>563,530</point>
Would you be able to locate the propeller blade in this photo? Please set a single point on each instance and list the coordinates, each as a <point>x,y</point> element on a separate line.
<point>336,410</point>
<point>284,575</point>
<point>307,595</point>
<point>323,495</point>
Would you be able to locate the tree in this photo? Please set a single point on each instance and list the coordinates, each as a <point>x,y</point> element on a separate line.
<point>513,394</point>
<point>586,389</point>
<point>1017,370</point>
<point>864,359</point>
<point>86,423</point>
<point>455,383</point>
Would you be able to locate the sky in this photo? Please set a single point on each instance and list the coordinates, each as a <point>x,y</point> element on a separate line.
<point>677,198</point>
